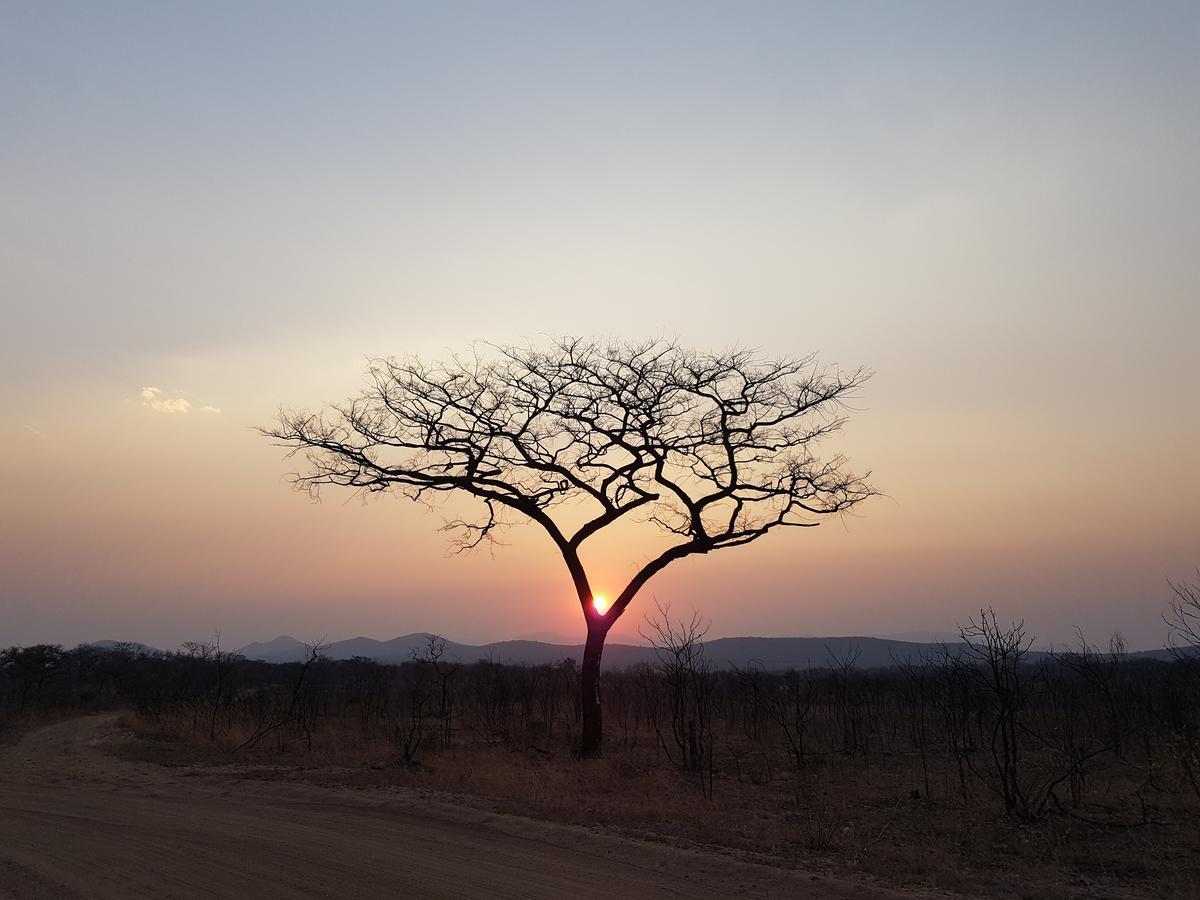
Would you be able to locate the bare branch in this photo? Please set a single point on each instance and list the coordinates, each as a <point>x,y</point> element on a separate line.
<point>717,448</point>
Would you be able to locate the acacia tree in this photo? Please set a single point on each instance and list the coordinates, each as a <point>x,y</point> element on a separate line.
<point>714,450</point>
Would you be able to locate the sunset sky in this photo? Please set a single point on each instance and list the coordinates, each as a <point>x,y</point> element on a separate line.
<point>210,210</point>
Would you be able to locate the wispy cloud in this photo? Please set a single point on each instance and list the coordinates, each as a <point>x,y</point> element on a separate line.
<point>36,432</point>
<point>153,398</point>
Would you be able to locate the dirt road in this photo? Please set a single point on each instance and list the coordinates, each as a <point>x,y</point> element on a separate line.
<point>77,822</point>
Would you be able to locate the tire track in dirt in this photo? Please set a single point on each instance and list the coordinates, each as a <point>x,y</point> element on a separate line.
<point>78,822</point>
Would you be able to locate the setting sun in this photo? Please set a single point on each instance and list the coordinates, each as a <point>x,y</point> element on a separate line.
<point>601,604</point>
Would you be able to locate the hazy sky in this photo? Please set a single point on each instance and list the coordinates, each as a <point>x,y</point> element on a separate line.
<point>208,210</point>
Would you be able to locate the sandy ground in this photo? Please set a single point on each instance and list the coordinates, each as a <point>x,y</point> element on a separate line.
<point>77,822</point>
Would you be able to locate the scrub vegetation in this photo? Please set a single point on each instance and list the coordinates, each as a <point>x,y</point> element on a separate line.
<point>976,770</point>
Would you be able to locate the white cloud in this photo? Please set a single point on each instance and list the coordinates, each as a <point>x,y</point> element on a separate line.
<point>152,397</point>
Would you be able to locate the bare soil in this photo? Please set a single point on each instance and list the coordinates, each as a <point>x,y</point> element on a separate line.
<point>78,821</point>
<point>853,823</point>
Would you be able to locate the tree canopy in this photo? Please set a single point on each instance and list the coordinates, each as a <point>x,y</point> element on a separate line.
<point>715,449</point>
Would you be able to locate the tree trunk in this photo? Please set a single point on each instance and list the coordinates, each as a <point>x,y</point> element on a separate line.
<point>589,686</point>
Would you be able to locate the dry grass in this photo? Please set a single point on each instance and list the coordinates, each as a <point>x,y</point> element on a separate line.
<point>839,816</point>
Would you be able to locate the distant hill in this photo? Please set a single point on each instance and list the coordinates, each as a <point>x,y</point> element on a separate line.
<point>774,653</point>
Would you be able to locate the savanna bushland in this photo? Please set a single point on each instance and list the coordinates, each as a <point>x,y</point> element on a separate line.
<point>985,767</point>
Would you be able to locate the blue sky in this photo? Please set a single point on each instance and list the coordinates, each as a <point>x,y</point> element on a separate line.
<point>993,205</point>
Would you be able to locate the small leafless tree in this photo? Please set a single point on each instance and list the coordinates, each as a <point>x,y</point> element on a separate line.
<point>713,449</point>
<point>433,654</point>
<point>679,647</point>
<point>917,675</point>
<point>955,690</point>
<point>1183,621</point>
<point>999,653</point>
<point>222,664</point>
<point>419,679</point>
<point>297,709</point>
<point>842,667</point>
<point>197,649</point>
<point>1183,618</point>
<point>1101,671</point>
<point>789,704</point>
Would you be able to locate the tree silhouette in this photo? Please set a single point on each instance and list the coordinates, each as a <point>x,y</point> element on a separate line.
<point>714,449</point>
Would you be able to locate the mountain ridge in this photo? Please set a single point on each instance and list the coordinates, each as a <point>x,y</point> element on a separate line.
<point>772,653</point>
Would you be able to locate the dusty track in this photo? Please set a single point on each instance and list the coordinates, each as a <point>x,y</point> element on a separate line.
<point>77,822</point>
